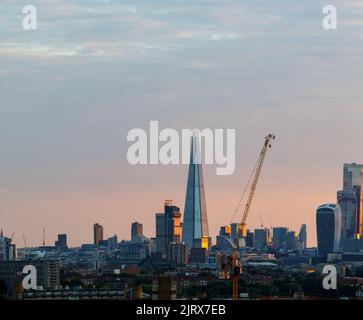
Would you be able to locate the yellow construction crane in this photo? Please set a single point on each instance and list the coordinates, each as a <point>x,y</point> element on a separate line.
<point>256,173</point>
<point>230,270</point>
<point>236,268</point>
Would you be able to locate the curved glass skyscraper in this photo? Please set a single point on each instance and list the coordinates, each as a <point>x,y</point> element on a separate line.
<point>195,225</point>
<point>328,225</point>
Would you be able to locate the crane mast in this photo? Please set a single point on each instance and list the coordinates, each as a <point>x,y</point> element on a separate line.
<point>267,144</point>
<point>235,266</point>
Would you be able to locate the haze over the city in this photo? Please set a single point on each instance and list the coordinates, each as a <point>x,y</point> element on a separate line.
<point>93,70</point>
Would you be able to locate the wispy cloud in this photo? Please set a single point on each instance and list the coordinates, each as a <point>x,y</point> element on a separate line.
<point>8,191</point>
<point>119,50</point>
<point>94,68</point>
<point>112,29</point>
<point>224,36</point>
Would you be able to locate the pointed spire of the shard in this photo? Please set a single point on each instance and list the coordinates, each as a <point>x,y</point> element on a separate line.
<point>195,225</point>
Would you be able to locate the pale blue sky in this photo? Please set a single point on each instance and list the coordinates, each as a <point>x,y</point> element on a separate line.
<point>93,70</point>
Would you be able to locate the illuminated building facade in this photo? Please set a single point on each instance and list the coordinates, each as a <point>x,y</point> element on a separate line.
<point>195,224</point>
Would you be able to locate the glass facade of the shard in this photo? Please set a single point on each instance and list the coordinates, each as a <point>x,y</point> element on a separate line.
<point>195,225</point>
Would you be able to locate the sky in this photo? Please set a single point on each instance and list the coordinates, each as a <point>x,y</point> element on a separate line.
<point>93,70</point>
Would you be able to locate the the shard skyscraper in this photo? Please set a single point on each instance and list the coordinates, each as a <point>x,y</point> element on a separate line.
<point>195,225</point>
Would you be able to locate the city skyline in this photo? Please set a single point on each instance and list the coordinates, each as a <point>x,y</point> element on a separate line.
<point>348,233</point>
<point>94,225</point>
<point>72,89</point>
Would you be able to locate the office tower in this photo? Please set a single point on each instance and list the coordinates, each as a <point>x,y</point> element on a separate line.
<point>97,234</point>
<point>250,239</point>
<point>195,225</point>
<point>348,203</point>
<point>225,231</point>
<point>152,242</point>
<point>160,232</point>
<point>350,200</point>
<point>172,222</point>
<point>261,238</point>
<point>7,250</point>
<point>168,227</point>
<point>292,241</point>
<point>328,227</point>
<point>303,236</point>
<point>236,230</point>
<point>112,243</point>
<point>279,237</point>
<point>61,243</point>
<point>136,229</point>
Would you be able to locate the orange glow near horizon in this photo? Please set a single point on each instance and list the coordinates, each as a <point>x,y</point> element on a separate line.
<point>74,211</point>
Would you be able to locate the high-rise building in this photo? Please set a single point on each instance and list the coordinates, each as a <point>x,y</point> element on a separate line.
<point>112,243</point>
<point>348,203</point>
<point>172,222</point>
<point>261,238</point>
<point>160,239</point>
<point>136,229</point>
<point>7,249</point>
<point>97,234</point>
<point>225,231</point>
<point>303,236</point>
<point>250,239</point>
<point>292,241</point>
<point>236,230</point>
<point>61,243</point>
<point>350,200</point>
<point>168,227</point>
<point>328,226</point>
<point>195,224</point>
<point>279,237</point>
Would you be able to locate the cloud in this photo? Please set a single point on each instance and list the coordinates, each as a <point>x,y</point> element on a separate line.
<point>118,50</point>
<point>8,191</point>
<point>38,50</point>
<point>224,36</point>
<point>251,65</point>
<point>111,29</point>
<point>351,22</point>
